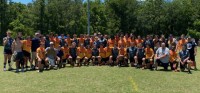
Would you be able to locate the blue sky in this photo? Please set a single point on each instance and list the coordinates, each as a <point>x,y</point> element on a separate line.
<point>26,1</point>
<point>23,1</point>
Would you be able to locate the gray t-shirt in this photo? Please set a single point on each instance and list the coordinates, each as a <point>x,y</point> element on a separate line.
<point>50,53</point>
<point>160,52</point>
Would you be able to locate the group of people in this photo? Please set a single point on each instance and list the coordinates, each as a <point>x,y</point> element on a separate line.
<point>52,51</point>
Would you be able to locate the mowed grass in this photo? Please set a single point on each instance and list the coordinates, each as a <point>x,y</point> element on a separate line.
<point>102,79</point>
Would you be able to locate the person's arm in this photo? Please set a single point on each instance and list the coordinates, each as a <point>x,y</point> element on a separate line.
<point>152,53</point>
<point>13,46</point>
<point>5,41</point>
<point>156,55</point>
<point>166,53</point>
<point>37,55</point>
<point>195,50</point>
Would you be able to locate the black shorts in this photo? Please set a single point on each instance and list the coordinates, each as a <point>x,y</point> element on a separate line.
<point>105,59</point>
<point>8,51</point>
<point>132,60</point>
<point>27,54</point>
<point>192,58</point>
<point>183,66</point>
<point>147,61</point>
<point>81,60</point>
<point>74,58</point>
<point>43,61</point>
<point>114,59</point>
<point>140,61</point>
<point>19,56</point>
<point>89,59</point>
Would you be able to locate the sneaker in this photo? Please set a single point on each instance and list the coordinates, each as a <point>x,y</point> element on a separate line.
<point>10,68</point>
<point>189,72</point>
<point>22,70</point>
<point>4,69</point>
<point>17,70</point>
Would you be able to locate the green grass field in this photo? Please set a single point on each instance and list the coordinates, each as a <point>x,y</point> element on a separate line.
<point>102,79</point>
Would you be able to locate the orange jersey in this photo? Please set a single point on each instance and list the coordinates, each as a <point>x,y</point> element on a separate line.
<point>108,51</point>
<point>88,53</point>
<point>26,45</point>
<point>81,52</point>
<point>68,41</point>
<point>111,43</point>
<point>81,41</point>
<point>172,56</point>
<point>149,52</point>
<point>41,52</point>
<point>121,42</point>
<point>139,41</point>
<point>180,44</point>
<point>65,52</point>
<point>122,51</point>
<point>102,52</point>
<point>56,43</point>
<point>51,39</point>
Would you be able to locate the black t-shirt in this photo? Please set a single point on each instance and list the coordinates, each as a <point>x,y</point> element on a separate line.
<point>95,52</point>
<point>115,52</point>
<point>184,54</point>
<point>87,42</point>
<point>140,53</point>
<point>62,42</point>
<point>35,44</point>
<point>132,51</point>
<point>60,53</point>
<point>72,52</point>
<point>191,47</point>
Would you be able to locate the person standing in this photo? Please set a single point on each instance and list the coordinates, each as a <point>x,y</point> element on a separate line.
<point>35,44</point>
<point>7,42</point>
<point>192,48</point>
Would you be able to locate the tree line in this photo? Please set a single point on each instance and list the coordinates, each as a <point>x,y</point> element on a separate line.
<point>108,17</point>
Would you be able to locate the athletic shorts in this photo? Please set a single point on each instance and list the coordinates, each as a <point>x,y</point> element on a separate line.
<point>8,51</point>
<point>114,58</point>
<point>27,54</point>
<point>131,59</point>
<point>105,59</point>
<point>81,60</point>
<point>147,61</point>
<point>43,62</point>
<point>140,61</point>
<point>51,61</point>
<point>192,58</point>
<point>19,56</point>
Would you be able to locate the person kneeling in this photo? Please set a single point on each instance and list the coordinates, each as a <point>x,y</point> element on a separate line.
<point>41,58</point>
<point>173,57</point>
<point>122,57</point>
<point>184,59</point>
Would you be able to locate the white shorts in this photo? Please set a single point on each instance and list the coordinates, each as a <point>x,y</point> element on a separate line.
<point>51,61</point>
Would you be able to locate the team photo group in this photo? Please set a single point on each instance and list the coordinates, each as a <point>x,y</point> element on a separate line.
<point>53,51</point>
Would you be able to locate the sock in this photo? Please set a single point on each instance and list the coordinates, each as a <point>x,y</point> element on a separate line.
<point>9,63</point>
<point>4,66</point>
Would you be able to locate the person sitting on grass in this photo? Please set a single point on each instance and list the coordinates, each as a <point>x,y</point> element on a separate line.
<point>95,56</point>
<point>149,53</point>
<point>131,51</point>
<point>140,56</point>
<point>80,55</point>
<point>51,56</point>
<point>173,59</point>
<point>113,58</point>
<point>184,59</point>
<point>40,54</point>
<point>162,57</point>
<point>88,55</point>
<point>122,57</point>
<point>73,54</point>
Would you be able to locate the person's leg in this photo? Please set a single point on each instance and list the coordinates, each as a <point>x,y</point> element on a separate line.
<point>189,66</point>
<point>110,60</point>
<point>144,65</point>
<point>156,64</point>
<point>99,60</point>
<point>5,61</point>
<point>40,65</point>
<point>78,60</point>
<point>172,66</point>
<point>9,61</point>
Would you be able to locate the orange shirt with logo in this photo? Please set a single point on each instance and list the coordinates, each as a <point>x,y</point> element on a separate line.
<point>81,52</point>
<point>41,53</point>
<point>173,56</point>
<point>149,52</point>
<point>26,45</point>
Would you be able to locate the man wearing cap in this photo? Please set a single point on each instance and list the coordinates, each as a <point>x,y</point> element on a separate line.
<point>51,56</point>
<point>7,42</point>
<point>192,48</point>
